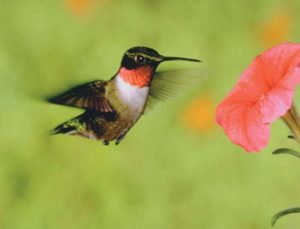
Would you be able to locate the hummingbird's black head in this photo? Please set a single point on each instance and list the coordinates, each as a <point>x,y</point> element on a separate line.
<point>140,56</point>
<point>143,56</point>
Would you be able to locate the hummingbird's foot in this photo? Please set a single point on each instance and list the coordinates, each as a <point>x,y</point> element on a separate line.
<point>291,136</point>
<point>119,139</point>
<point>105,142</point>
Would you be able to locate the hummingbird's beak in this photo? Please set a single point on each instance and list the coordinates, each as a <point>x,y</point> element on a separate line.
<point>171,58</point>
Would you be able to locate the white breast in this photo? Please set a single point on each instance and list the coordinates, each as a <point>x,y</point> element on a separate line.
<point>134,97</point>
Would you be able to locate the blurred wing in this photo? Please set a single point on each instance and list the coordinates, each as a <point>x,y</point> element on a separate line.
<point>89,96</point>
<point>168,84</point>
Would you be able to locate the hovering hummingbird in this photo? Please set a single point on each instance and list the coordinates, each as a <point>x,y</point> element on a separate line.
<point>112,107</point>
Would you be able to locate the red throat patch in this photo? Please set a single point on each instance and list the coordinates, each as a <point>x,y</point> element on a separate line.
<point>139,77</point>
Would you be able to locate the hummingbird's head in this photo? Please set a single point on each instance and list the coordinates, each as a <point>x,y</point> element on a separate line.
<point>139,64</point>
<point>140,57</point>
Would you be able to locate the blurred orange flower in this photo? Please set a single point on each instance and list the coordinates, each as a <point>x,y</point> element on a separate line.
<point>198,115</point>
<point>79,7</point>
<point>276,29</point>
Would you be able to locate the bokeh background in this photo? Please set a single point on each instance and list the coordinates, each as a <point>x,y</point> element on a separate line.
<point>175,168</point>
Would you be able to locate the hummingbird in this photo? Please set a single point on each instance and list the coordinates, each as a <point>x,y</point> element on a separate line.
<point>112,107</point>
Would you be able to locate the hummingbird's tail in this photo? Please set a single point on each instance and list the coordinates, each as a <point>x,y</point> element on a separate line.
<point>91,125</point>
<point>72,127</point>
<point>62,129</point>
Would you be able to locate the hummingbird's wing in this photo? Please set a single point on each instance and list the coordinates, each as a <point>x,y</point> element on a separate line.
<point>89,96</point>
<point>166,85</point>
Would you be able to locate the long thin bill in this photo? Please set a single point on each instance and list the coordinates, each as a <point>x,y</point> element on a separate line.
<point>171,58</point>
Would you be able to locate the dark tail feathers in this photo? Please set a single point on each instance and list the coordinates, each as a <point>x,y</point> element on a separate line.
<point>63,128</point>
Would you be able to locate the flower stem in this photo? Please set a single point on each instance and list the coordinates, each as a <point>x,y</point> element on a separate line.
<point>286,151</point>
<point>283,213</point>
<point>292,120</point>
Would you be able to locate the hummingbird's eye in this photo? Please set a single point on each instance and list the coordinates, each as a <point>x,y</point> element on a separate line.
<point>140,59</point>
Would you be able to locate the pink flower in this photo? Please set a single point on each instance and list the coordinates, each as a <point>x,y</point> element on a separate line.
<point>263,93</point>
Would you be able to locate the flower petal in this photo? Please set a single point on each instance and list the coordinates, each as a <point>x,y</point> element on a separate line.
<point>243,125</point>
<point>279,100</point>
<point>279,61</point>
<point>263,93</point>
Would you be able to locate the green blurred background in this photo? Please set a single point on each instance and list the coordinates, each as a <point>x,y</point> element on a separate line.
<point>175,168</point>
